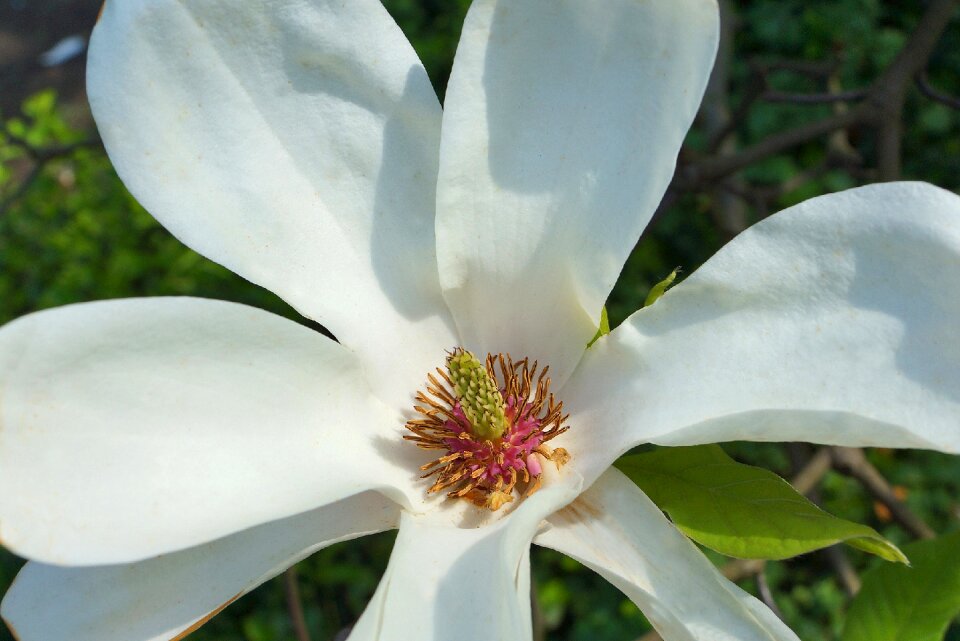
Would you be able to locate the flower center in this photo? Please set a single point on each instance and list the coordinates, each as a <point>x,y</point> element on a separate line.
<point>493,421</point>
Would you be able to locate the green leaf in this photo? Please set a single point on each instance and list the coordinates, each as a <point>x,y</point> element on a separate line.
<point>915,603</point>
<point>740,510</point>
<point>604,327</point>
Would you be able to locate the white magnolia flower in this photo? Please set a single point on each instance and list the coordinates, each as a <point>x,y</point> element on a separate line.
<point>161,457</point>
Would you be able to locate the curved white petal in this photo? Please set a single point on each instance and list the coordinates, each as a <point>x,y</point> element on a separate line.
<point>466,583</point>
<point>137,427</point>
<point>170,596</point>
<point>834,321</point>
<point>296,143</point>
<point>561,128</point>
<point>617,531</point>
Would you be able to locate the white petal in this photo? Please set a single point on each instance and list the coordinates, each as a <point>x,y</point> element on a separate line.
<point>172,595</point>
<point>137,427</point>
<point>834,321</point>
<point>466,583</point>
<point>617,531</point>
<point>561,128</point>
<point>296,143</point>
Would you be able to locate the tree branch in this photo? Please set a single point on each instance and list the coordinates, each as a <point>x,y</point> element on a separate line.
<point>844,569</point>
<point>727,209</point>
<point>853,462</point>
<point>915,54</point>
<point>763,588</point>
<point>291,588</point>
<point>40,156</point>
<point>711,169</point>
<point>814,98</point>
<point>43,154</point>
<point>881,109</point>
<point>889,92</point>
<point>21,189</point>
<point>928,90</point>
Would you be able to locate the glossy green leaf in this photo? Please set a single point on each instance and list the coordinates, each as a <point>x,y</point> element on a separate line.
<point>740,510</point>
<point>915,603</point>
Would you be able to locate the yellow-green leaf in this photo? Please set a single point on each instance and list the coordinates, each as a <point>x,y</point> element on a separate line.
<point>740,510</point>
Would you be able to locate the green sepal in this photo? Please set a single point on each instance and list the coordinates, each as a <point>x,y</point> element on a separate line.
<point>604,327</point>
<point>740,510</point>
<point>660,288</point>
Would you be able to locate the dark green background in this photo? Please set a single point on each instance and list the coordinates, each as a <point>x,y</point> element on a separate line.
<point>76,235</point>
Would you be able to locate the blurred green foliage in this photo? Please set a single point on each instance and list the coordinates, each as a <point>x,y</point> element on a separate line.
<point>77,235</point>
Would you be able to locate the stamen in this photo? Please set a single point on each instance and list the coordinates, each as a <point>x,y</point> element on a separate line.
<point>493,419</point>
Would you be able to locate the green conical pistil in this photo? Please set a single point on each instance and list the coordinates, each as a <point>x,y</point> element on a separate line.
<point>479,395</point>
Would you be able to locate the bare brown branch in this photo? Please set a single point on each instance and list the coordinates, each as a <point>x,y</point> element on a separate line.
<point>39,156</point>
<point>814,98</point>
<point>928,90</point>
<point>842,567</point>
<point>711,169</point>
<point>853,462</point>
<point>763,588</point>
<point>291,588</point>
<point>881,109</point>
